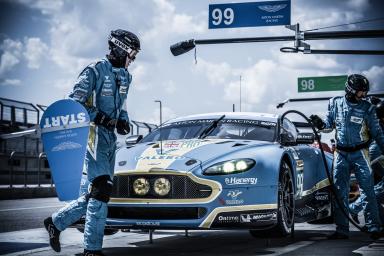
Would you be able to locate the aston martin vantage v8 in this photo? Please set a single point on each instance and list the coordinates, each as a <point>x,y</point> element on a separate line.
<point>220,171</point>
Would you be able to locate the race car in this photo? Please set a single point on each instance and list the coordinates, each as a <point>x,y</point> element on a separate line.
<point>220,171</point>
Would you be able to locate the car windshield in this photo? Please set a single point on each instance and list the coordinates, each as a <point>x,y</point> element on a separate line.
<point>242,129</point>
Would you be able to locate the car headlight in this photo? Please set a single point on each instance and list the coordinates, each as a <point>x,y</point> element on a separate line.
<point>141,186</point>
<point>162,186</point>
<point>230,167</point>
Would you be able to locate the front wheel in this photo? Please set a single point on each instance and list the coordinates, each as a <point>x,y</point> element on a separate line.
<point>286,206</point>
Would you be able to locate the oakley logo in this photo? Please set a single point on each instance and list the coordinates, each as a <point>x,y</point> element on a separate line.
<point>120,44</point>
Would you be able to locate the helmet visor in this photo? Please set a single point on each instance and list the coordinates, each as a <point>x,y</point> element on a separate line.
<point>132,54</point>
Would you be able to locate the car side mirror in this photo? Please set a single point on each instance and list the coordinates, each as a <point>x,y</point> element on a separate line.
<point>287,139</point>
<point>130,141</point>
<point>305,138</point>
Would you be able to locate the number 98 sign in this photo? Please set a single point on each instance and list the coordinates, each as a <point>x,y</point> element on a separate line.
<point>321,84</point>
<point>307,85</point>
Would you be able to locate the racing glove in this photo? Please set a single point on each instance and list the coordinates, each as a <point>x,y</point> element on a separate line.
<point>317,122</point>
<point>122,127</point>
<point>104,120</point>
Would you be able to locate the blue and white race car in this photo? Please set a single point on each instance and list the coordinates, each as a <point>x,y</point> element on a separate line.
<point>220,171</point>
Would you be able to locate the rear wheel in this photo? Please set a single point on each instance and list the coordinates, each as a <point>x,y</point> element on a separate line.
<point>286,206</point>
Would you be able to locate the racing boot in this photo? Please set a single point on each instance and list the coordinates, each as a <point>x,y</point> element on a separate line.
<point>93,253</point>
<point>54,234</point>
<point>337,236</point>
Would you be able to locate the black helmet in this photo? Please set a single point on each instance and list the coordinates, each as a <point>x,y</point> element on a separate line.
<point>356,83</point>
<point>380,110</point>
<point>122,44</point>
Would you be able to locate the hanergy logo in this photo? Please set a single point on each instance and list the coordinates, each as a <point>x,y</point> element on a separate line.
<point>56,121</point>
<point>240,181</point>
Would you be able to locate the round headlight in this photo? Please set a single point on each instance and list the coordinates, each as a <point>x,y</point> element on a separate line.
<point>162,186</point>
<point>228,167</point>
<point>241,165</point>
<point>141,186</point>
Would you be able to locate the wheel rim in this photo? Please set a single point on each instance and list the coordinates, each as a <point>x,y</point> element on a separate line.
<point>287,198</point>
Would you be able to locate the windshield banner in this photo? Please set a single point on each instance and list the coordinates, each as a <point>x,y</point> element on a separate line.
<point>224,121</point>
<point>64,132</point>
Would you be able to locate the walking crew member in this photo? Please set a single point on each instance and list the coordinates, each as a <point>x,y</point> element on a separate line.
<point>102,88</point>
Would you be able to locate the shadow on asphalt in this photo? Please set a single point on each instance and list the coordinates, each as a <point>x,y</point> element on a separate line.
<point>11,247</point>
<point>242,243</point>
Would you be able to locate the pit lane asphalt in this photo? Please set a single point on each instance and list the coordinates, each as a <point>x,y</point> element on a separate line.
<point>32,238</point>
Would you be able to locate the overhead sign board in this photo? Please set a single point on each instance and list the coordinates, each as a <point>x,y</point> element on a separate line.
<point>250,14</point>
<point>321,84</point>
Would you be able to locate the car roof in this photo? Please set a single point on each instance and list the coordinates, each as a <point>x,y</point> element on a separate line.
<point>229,115</point>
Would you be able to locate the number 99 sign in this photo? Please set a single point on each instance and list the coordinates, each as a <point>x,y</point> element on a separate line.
<point>221,17</point>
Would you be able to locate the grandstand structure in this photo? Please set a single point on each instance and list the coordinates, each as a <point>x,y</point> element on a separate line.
<point>22,158</point>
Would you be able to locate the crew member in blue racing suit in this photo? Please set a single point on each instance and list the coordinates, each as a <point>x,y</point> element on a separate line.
<point>356,125</point>
<point>376,158</point>
<point>102,88</point>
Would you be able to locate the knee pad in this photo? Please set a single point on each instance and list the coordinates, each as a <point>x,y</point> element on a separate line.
<point>101,188</point>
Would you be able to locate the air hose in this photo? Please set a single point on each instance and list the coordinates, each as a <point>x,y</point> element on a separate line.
<point>332,185</point>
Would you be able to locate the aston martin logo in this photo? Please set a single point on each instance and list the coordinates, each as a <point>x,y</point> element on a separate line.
<point>67,145</point>
<point>272,8</point>
<point>234,193</point>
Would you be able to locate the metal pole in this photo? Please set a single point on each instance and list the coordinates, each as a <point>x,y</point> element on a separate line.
<point>11,170</point>
<point>357,52</point>
<point>151,236</point>
<point>161,121</point>
<point>41,155</point>
<point>51,176</point>
<point>240,93</point>
<point>25,162</point>
<point>299,38</point>
<point>307,36</point>
<point>343,34</point>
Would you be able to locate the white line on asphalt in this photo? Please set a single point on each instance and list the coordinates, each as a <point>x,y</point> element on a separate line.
<point>31,208</point>
<point>290,248</point>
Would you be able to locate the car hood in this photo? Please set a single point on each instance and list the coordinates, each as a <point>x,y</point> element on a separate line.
<point>178,155</point>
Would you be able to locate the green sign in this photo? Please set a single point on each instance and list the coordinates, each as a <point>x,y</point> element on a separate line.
<point>321,84</point>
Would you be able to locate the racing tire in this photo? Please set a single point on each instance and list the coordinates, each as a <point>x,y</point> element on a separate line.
<point>286,207</point>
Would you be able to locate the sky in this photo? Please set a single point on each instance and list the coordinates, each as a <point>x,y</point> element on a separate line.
<point>45,44</point>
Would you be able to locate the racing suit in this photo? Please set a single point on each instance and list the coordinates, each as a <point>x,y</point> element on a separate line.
<point>360,203</point>
<point>355,124</point>
<point>100,88</point>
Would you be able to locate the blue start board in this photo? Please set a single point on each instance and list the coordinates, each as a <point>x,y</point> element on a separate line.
<point>64,132</point>
<point>249,14</point>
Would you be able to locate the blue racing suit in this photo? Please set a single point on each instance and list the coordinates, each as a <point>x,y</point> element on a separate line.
<point>100,88</point>
<point>356,125</point>
<point>360,203</point>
